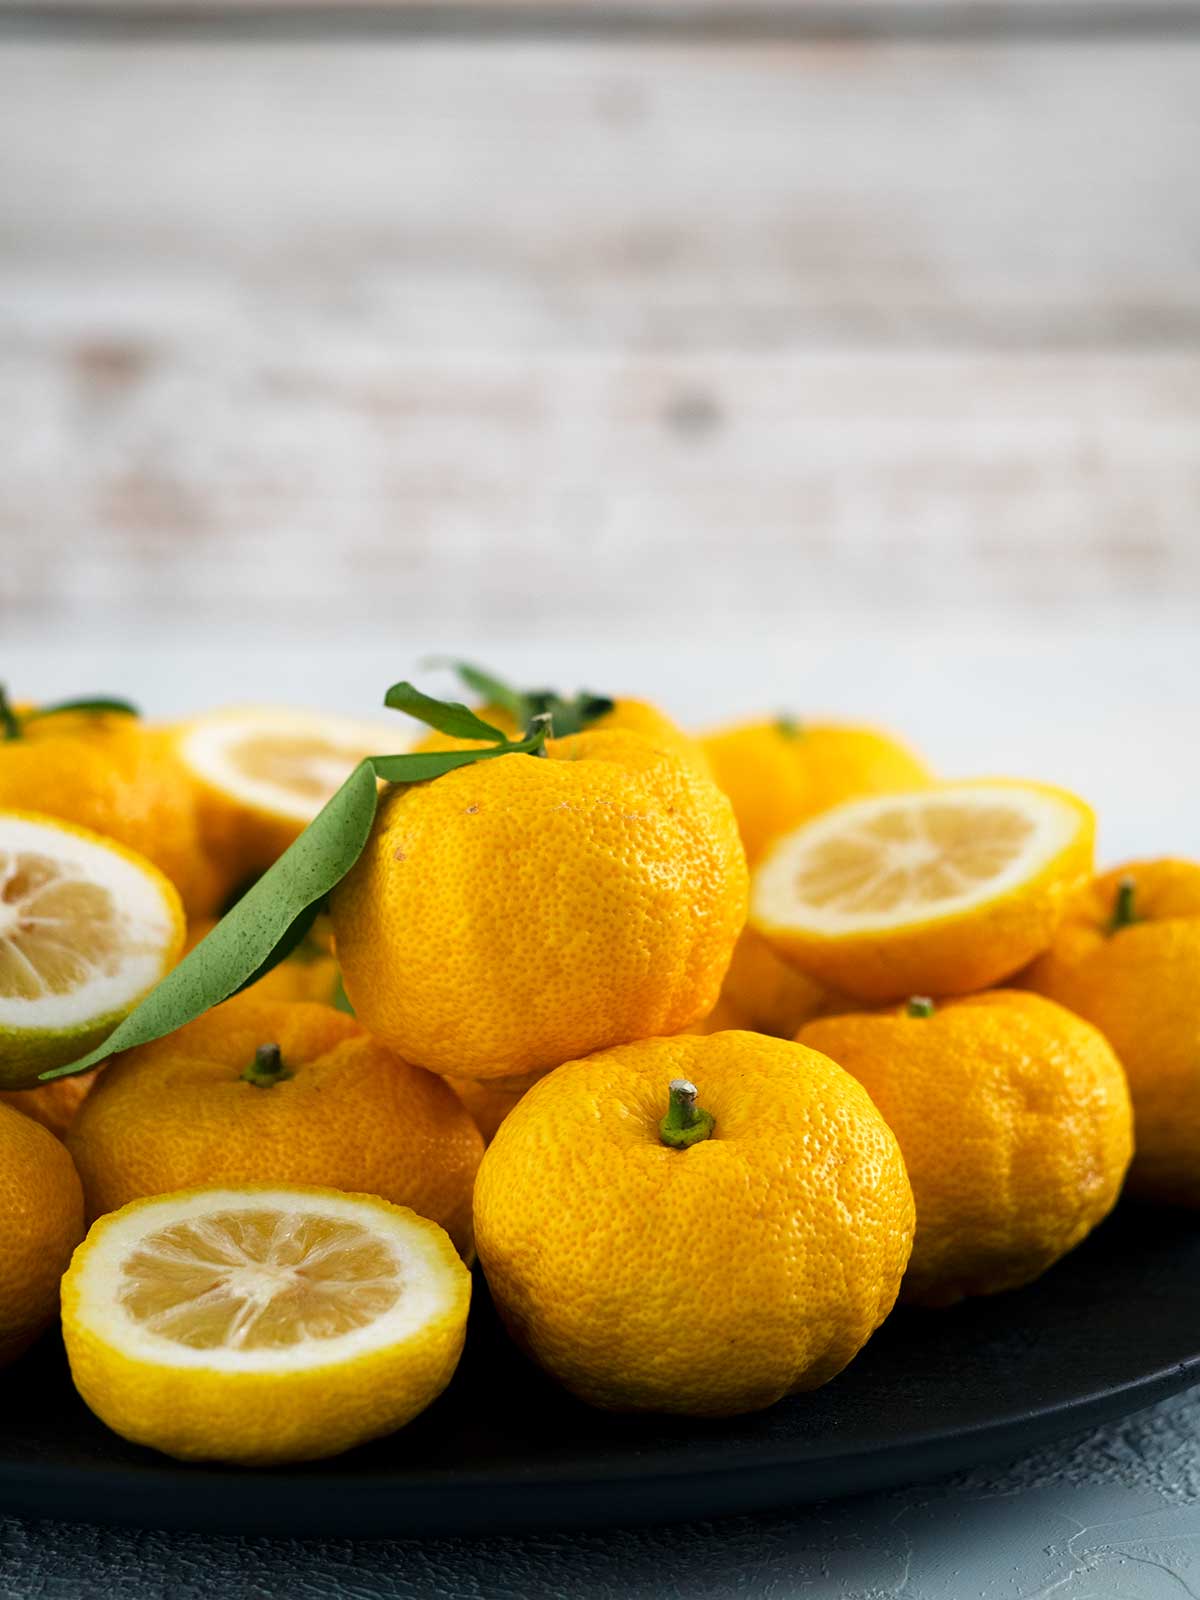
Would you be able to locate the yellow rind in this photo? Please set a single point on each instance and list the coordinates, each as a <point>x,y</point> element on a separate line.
<point>260,1419</point>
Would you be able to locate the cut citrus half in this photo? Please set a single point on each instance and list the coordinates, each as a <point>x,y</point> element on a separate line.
<point>87,927</point>
<point>262,773</point>
<point>262,1324</point>
<point>941,891</point>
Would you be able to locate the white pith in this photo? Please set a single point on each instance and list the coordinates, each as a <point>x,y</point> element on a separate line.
<point>207,745</point>
<point>427,1286</point>
<point>776,900</point>
<point>143,922</point>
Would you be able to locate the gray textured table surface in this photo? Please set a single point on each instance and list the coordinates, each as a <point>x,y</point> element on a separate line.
<point>1115,1515</point>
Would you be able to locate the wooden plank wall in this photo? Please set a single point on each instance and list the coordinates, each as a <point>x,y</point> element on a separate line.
<point>473,331</point>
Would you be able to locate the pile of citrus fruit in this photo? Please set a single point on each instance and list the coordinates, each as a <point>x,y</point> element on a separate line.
<point>711,1047</point>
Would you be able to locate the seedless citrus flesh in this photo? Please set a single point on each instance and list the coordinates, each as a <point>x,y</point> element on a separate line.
<point>263,772</point>
<point>941,891</point>
<point>262,1325</point>
<point>87,927</point>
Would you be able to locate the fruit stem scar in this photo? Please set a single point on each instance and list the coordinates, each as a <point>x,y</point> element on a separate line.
<point>788,726</point>
<point>919,1005</point>
<point>266,1068</point>
<point>685,1123</point>
<point>1124,911</point>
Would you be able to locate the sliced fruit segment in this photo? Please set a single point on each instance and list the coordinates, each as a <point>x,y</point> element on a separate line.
<point>263,1324</point>
<point>941,891</point>
<point>263,772</point>
<point>87,927</point>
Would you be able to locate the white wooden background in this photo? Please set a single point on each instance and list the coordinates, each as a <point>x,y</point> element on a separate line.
<point>850,365</point>
<point>471,333</point>
<point>849,372</point>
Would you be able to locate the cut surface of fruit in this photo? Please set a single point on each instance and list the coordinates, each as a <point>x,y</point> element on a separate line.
<point>282,761</point>
<point>943,889</point>
<point>263,1324</point>
<point>86,928</point>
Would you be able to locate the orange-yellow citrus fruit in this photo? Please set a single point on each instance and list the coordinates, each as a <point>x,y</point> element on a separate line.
<point>766,992</point>
<point>263,1324</point>
<point>1127,957</point>
<point>778,774</point>
<point>117,777</point>
<point>1014,1119</point>
<point>489,1102</point>
<point>201,1107</point>
<point>942,891</point>
<point>41,1222</point>
<point>52,1104</point>
<point>519,912</point>
<point>86,929</point>
<point>707,1280</point>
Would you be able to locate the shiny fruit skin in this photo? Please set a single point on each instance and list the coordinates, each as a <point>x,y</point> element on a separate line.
<point>177,1114</point>
<point>778,774</point>
<point>1140,985</point>
<point>705,1281</point>
<point>1014,1119</point>
<point>519,912</point>
<point>41,1222</point>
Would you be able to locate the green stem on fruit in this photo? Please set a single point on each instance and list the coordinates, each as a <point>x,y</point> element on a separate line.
<point>267,1068</point>
<point>919,1005</point>
<point>788,726</point>
<point>542,723</point>
<point>685,1123</point>
<point>1124,911</point>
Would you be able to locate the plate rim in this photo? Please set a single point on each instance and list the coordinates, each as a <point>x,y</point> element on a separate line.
<point>572,1485</point>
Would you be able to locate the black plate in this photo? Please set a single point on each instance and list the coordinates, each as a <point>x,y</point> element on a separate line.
<point>1114,1327</point>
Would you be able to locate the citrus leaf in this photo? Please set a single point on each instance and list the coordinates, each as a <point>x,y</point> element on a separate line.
<point>447,716</point>
<point>243,942</point>
<point>572,716</point>
<point>494,690</point>
<point>92,706</point>
<point>568,716</point>
<point>278,909</point>
<point>292,941</point>
<point>8,717</point>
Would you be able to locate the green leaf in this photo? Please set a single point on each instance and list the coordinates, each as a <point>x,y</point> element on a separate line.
<point>91,706</point>
<point>572,716</point>
<point>8,717</point>
<point>292,941</point>
<point>494,690</point>
<point>447,716</point>
<point>569,716</point>
<point>277,910</point>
